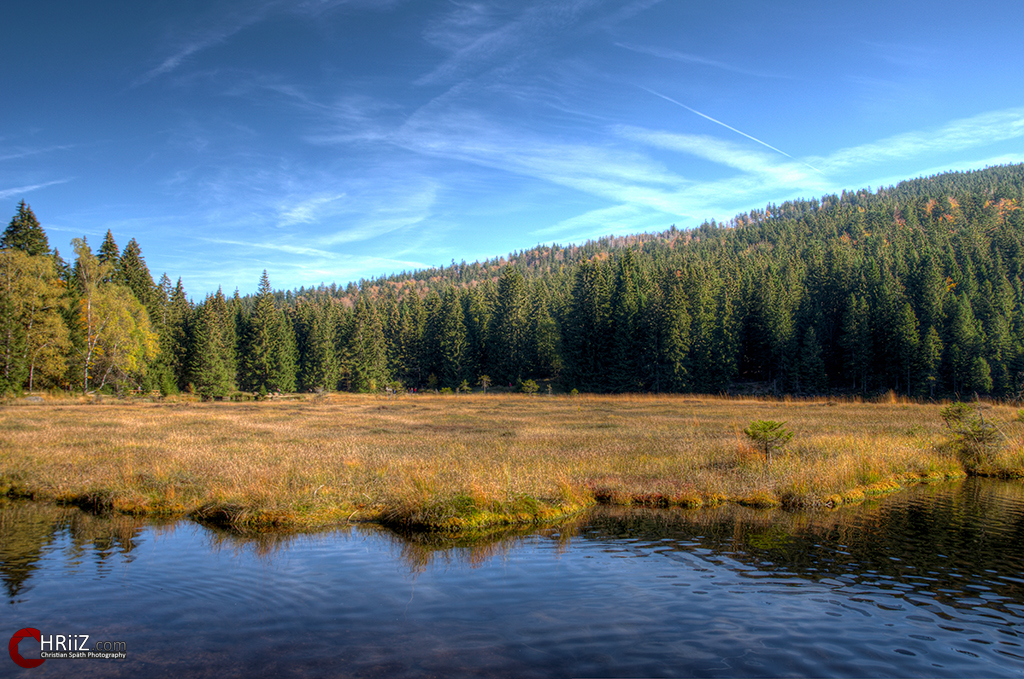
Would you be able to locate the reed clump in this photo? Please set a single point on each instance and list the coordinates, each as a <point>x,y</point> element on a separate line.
<point>461,463</point>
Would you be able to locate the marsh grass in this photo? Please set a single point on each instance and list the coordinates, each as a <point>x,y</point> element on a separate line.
<point>463,463</point>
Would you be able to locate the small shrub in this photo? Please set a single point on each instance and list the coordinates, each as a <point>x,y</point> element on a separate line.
<point>529,387</point>
<point>975,441</point>
<point>768,435</point>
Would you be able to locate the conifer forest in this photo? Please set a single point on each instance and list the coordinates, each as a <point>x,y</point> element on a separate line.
<point>914,288</point>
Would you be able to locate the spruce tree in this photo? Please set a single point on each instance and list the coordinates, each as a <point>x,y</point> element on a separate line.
<point>906,346</point>
<point>366,349</point>
<point>24,233</point>
<point>110,256</point>
<point>452,340</point>
<point>626,343</point>
<point>674,330</point>
<point>812,365</point>
<point>131,271</point>
<point>267,345</point>
<point>319,368</point>
<point>585,336</point>
<point>176,339</point>
<point>208,371</point>
<point>510,331</point>
<point>412,319</point>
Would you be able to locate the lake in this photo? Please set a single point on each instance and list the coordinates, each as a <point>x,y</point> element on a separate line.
<point>927,582</point>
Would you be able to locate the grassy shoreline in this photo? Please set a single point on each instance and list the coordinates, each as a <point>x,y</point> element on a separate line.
<point>467,462</point>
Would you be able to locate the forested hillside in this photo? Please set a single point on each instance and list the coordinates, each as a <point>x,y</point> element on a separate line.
<point>915,288</point>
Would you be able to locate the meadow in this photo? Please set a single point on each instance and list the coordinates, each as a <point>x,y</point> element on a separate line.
<point>462,462</point>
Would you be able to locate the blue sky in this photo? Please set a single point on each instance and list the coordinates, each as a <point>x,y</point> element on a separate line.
<point>333,140</point>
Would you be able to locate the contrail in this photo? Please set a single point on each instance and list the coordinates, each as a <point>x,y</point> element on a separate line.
<point>728,127</point>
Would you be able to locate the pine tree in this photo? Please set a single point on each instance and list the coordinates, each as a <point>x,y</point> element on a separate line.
<point>260,341</point>
<point>368,357</point>
<point>674,329</point>
<point>268,354</point>
<point>510,330</point>
<point>319,368</point>
<point>177,336</point>
<point>209,373</point>
<point>585,336</point>
<point>452,340</point>
<point>412,319</point>
<point>857,342</point>
<point>110,256</point>
<point>286,357</point>
<point>477,316</point>
<point>963,346</point>
<point>626,309</point>
<point>131,271</point>
<point>545,360</point>
<point>931,358</point>
<point>24,233</point>
<point>906,346</point>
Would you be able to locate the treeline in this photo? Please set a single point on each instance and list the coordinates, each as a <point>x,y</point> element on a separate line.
<point>915,288</point>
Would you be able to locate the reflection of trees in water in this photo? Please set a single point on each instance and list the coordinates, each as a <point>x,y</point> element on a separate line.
<point>29,530</point>
<point>940,542</point>
<point>419,550</point>
<point>262,544</point>
<point>936,539</point>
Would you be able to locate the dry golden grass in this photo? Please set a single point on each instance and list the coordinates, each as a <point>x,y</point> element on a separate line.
<point>458,462</point>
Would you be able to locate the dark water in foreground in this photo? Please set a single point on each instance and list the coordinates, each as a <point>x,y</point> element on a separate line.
<point>927,583</point>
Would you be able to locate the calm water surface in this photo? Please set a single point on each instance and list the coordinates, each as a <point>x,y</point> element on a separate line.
<point>925,583</point>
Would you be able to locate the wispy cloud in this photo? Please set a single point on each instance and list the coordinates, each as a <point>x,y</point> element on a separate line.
<point>478,36</point>
<point>683,57</point>
<point>602,222</point>
<point>20,190</point>
<point>26,153</point>
<point>728,127</point>
<point>204,39</point>
<point>275,246</point>
<point>308,211</point>
<point>390,209</point>
<point>976,131</point>
<point>608,171</point>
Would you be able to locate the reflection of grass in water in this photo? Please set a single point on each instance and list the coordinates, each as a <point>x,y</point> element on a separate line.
<point>459,463</point>
<point>419,549</point>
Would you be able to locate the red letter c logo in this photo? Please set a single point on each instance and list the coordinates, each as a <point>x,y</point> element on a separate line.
<point>13,647</point>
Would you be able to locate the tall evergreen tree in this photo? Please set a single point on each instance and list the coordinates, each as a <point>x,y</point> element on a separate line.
<point>131,271</point>
<point>176,340</point>
<point>319,367</point>
<point>209,371</point>
<point>626,342</point>
<point>109,255</point>
<point>267,344</point>
<point>452,340</point>
<point>510,330</point>
<point>24,233</point>
<point>368,356</point>
<point>585,333</point>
